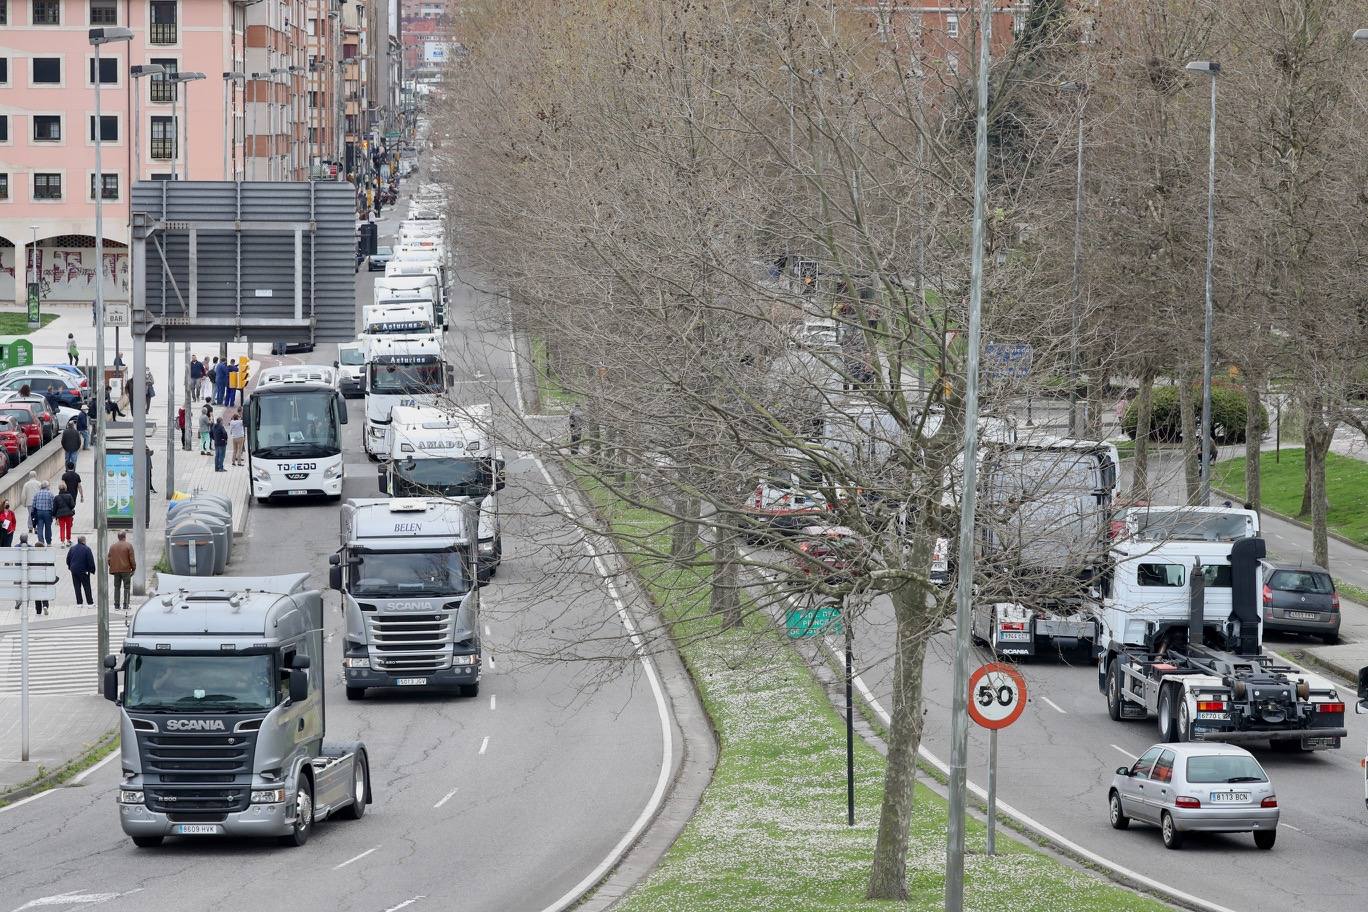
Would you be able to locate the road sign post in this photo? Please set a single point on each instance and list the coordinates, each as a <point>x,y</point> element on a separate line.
<point>26,574</point>
<point>997,698</point>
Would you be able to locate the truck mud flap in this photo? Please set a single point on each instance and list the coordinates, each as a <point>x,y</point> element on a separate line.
<point>1130,710</point>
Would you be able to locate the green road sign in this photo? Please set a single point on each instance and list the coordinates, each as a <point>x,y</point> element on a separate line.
<point>15,352</point>
<point>801,623</point>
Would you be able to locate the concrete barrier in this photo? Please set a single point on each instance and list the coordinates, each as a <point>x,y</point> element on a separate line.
<point>47,461</point>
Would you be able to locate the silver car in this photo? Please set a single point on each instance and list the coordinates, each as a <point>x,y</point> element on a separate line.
<point>1196,787</point>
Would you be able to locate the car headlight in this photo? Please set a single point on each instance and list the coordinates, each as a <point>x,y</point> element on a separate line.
<point>362,662</point>
<point>261,473</point>
<point>131,796</point>
<point>465,660</point>
<point>268,796</point>
<point>333,471</point>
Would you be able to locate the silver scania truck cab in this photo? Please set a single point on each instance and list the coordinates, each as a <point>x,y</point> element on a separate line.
<point>221,714</point>
<point>410,594</point>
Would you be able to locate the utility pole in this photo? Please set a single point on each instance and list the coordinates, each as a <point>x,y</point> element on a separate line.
<point>1076,284</point>
<point>1204,456</point>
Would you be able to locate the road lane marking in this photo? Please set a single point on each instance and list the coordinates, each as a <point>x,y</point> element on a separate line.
<point>491,663</point>
<point>445,798</point>
<point>487,633</point>
<point>355,858</point>
<point>1055,706</point>
<point>1290,827</point>
<point>484,744</point>
<point>491,702</point>
<point>405,904</point>
<point>73,898</point>
<point>1124,751</point>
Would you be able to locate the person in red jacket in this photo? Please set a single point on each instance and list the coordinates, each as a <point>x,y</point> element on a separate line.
<point>8,522</point>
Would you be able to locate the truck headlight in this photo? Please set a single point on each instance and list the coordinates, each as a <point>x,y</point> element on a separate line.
<point>487,546</point>
<point>333,471</point>
<point>362,662</point>
<point>465,660</point>
<point>131,796</point>
<point>261,473</point>
<point>268,796</point>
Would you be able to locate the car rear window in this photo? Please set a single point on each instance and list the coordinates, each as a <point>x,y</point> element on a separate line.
<point>1301,581</point>
<point>1224,768</point>
<point>23,416</point>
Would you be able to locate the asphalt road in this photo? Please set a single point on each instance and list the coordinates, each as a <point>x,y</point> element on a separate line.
<point>502,802</point>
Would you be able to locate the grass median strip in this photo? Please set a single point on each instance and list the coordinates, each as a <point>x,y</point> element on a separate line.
<point>1346,488</point>
<point>771,832</point>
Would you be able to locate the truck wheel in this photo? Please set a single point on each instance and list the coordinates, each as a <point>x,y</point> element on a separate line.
<point>1173,839</point>
<point>356,693</point>
<point>469,690</point>
<point>1166,714</point>
<point>1184,722</point>
<point>1119,820</point>
<point>1264,839</point>
<point>304,808</point>
<point>1113,691</point>
<point>360,789</point>
<point>147,842</point>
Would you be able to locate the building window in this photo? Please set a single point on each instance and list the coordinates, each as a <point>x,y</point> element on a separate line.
<point>47,12</point>
<point>163,138</point>
<point>104,12</point>
<point>163,22</point>
<point>4,20</point>
<point>952,26</point>
<point>160,175</point>
<point>349,51</point>
<point>109,128</point>
<point>4,70</point>
<point>109,71</point>
<point>47,186</point>
<point>4,186</point>
<point>4,128</point>
<point>47,70</point>
<point>47,128</point>
<point>163,89</point>
<point>111,187</point>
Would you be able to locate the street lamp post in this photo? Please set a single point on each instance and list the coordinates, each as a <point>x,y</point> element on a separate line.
<point>1204,458</point>
<point>183,122</point>
<point>1076,284</point>
<point>137,72</point>
<point>230,79</point>
<point>98,37</point>
<point>251,125</point>
<point>296,109</point>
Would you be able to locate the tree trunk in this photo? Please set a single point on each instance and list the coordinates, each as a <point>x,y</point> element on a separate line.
<point>1144,409</point>
<point>1187,417</point>
<point>1096,379</point>
<point>1307,446</point>
<point>684,535</point>
<point>888,874</point>
<point>1318,437</point>
<point>725,595</point>
<point>1254,431</point>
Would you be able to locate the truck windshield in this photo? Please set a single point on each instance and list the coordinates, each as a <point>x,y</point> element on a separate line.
<point>352,357</point>
<point>419,477</point>
<point>396,379</point>
<point>289,425</point>
<point>381,574</point>
<point>204,683</point>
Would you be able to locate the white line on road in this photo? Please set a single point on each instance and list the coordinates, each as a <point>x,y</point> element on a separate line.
<point>1290,827</point>
<point>1123,750</point>
<point>487,630</point>
<point>491,702</point>
<point>1055,706</point>
<point>484,744</point>
<point>405,904</point>
<point>356,858</point>
<point>445,798</point>
<point>74,899</point>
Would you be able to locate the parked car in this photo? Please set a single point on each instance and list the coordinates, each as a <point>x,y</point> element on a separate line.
<point>351,370</point>
<point>828,551</point>
<point>59,386</point>
<point>50,417</point>
<point>290,348</point>
<point>80,375</point>
<point>13,441</point>
<point>376,261</point>
<point>25,415</point>
<point>1300,598</point>
<point>1201,786</point>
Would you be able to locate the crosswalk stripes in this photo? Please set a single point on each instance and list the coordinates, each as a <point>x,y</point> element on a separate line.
<point>62,660</point>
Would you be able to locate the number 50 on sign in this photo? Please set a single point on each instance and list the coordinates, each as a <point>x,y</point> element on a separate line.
<point>997,695</point>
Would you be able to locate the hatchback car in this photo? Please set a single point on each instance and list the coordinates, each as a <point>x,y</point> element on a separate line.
<point>13,441</point>
<point>1196,787</point>
<point>59,386</point>
<point>52,418</point>
<point>26,416</point>
<point>376,261</point>
<point>1300,598</point>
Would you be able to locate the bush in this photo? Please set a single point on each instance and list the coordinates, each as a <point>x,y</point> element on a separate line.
<point>1227,415</point>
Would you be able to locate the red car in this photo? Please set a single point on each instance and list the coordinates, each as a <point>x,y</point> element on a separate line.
<point>14,442</point>
<point>26,416</point>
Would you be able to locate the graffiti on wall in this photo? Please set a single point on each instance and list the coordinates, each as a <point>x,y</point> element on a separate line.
<point>67,273</point>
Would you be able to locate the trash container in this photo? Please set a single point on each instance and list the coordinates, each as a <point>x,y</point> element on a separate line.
<point>218,527</point>
<point>190,548</point>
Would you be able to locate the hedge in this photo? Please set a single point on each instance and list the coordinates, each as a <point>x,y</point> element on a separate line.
<point>1227,414</point>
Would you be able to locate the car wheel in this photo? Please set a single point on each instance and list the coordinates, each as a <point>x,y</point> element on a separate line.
<point>1113,691</point>
<point>1166,714</point>
<point>1119,820</point>
<point>1265,839</point>
<point>1173,839</point>
<point>304,808</point>
<point>360,789</point>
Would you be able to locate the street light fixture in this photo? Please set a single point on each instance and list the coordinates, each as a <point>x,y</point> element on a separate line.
<point>98,37</point>
<point>1204,458</point>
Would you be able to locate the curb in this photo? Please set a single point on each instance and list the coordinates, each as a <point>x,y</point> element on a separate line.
<point>91,754</point>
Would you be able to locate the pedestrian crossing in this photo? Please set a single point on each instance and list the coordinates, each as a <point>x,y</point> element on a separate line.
<point>62,660</point>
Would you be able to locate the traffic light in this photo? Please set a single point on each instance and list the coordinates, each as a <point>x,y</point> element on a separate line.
<point>244,374</point>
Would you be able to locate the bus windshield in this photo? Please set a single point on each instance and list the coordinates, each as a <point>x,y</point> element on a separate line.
<point>441,477</point>
<point>397,379</point>
<point>293,425</point>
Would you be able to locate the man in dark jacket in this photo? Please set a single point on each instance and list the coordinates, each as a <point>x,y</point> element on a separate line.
<point>81,563</point>
<point>219,435</point>
<point>71,443</point>
<point>220,382</point>
<point>72,479</point>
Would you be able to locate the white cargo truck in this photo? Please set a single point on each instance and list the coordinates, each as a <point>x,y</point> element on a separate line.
<point>400,370</point>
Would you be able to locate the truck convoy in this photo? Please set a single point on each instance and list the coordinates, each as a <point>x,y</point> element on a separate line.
<point>222,715</point>
<point>406,569</point>
<point>294,434</point>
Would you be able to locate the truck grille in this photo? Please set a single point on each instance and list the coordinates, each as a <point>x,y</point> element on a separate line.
<point>197,801</point>
<point>197,757</point>
<point>407,643</point>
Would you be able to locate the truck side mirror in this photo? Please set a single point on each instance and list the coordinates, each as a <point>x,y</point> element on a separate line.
<point>299,685</point>
<point>500,475</point>
<point>335,572</point>
<point>111,679</point>
<point>1363,684</point>
<point>341,409</point>
<point>382,477</point>
<point>299,661</point>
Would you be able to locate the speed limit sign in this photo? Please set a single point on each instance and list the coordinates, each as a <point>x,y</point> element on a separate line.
<point>997,695</point>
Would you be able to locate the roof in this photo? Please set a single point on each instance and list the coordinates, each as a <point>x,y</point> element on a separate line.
<point>1295,565</point>
<point>296,375</point>
<point>1200,748</point>
<point>190,605</point>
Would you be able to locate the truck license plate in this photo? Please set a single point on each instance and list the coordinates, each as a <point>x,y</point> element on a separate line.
<point>1320,743</point>
<point>1304,615</point>
<point>1014,635</point>
<point>1229,797</point>
<point>197,829</point>
<point>410,682</point>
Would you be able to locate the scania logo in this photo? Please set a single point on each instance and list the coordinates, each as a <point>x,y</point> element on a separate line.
<point>204,725</point>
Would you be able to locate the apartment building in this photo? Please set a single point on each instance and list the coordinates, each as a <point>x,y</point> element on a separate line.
<point>324,30</point>
<point>942,34</point>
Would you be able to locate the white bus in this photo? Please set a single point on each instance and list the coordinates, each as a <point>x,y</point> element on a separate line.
<point>294,434</point>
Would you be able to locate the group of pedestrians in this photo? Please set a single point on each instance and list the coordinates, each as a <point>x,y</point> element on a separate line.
<point>213,433</point>
<point>218,381</point>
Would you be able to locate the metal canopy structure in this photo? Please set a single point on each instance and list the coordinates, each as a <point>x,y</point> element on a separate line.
<point>214,261</point>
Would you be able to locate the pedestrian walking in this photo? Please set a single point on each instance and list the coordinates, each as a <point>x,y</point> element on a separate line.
<point>72,479</point>
<point>150,391</point>
<point>8,523</point>
<point>64,511</point>
<point>219,434</point>
<point>237,433</point>
<point>206,424</point>
<point>40,605</point>
<point>576,428</point>
<point>121,563</point>
<point>220,381</point>
<point>71,443</point>
<point>41,511</point>
<point>81,563</point>
<point>26,498</point>
<point>196,374</point>
<point>73,353</point>
<point>83,427</point>
<point>206,381</point>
